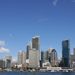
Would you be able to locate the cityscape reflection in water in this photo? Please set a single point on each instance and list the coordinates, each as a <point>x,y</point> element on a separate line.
<point>37,73</point>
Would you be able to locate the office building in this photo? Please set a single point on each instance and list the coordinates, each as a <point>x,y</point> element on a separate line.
<point>52,57</point>
<point>46,56</point>
<point>29,47</point>
<point>42,56</point>
<point>74,51</point>
<point>2,63</point>
<point>34,58</point>
<point>8,60</point>
<point>35,43</point>
<point>72,59</point>
<point>49,54</point>
<point>21,58</point>
<point>66,53</point>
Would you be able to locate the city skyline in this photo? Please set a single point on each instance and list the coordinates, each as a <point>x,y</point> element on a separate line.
<point>20,20</point>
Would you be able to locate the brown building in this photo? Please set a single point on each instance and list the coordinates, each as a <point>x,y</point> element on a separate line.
<point>35,43</point>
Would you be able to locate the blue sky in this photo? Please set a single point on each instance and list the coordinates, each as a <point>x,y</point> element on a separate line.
<point>52,20</point>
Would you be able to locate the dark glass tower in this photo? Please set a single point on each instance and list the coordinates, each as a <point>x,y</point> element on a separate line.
<point>28,48</point>
<point>65,53</point>
<point>42,56</point>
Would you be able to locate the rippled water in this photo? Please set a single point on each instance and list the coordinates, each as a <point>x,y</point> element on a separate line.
<point>36,73</point>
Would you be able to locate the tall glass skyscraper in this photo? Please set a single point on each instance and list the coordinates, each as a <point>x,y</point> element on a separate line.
<point>29,47</point>
<point>65,53</point>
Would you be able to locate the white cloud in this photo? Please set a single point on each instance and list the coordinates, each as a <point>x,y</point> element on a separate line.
<point>55,2</point>
<point>2,43</point>
<point>4,50</point>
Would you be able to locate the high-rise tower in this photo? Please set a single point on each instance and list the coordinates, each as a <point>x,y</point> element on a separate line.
<point>29,47</point>
<point>21,57</point>
<point>52,55</point>
<point>35,42</point>
<point>66,53</point>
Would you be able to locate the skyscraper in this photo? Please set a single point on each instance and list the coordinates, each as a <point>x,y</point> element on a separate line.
<point>74,51</point>
<point>8,60</point>
<point>54,59</point>
<point>42,56</point>
<point>21,58</point>
<point>29,47</point>
<point>49,54</point>
<point>35,43</point>
<point>34,58</point>
<point>46,56</point>
<point>52,56</point>
<point>66,53</point>
<point>2,63</point>
<point>72,59</point>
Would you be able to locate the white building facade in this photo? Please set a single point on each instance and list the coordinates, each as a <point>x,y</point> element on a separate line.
<point>34,58</point>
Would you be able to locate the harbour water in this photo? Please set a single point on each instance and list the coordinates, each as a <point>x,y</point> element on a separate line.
<point>37,73</point>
